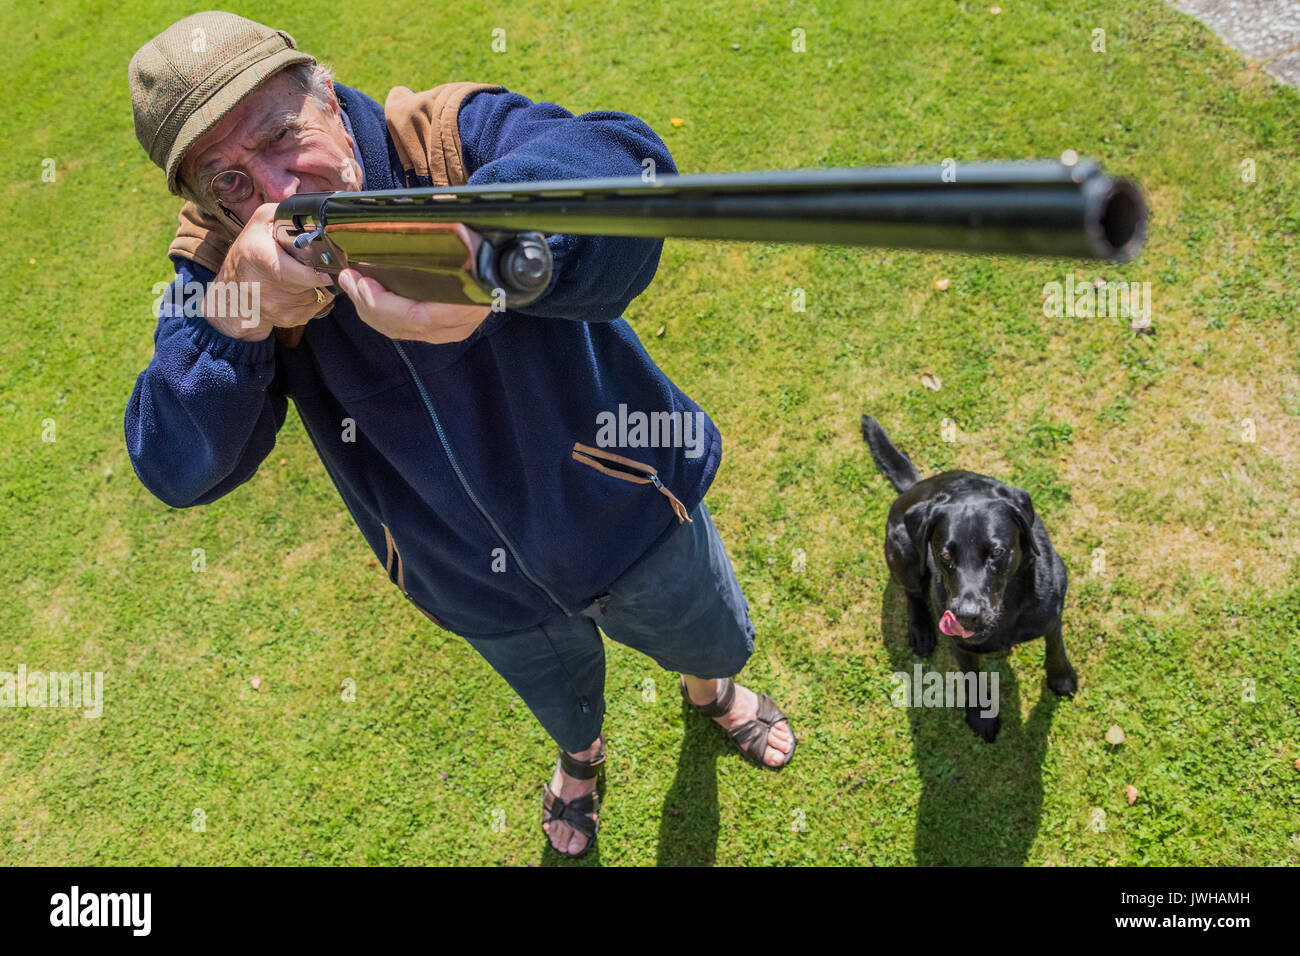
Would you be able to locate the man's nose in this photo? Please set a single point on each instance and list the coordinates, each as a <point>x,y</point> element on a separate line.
<point>275,183</point>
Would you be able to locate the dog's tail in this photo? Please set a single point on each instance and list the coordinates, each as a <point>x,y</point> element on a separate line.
<point>893,464</point>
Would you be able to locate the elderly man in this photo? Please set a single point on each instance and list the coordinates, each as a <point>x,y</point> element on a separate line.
<point>448,430</point>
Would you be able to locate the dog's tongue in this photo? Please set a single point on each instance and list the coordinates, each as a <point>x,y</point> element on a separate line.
<point>950,626</point>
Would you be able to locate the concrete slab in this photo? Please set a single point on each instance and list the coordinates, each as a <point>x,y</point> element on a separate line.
<point>1285,68</point>
<point>1267,31</point>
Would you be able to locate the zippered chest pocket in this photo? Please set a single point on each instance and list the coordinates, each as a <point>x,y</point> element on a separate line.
<point>618,466</point>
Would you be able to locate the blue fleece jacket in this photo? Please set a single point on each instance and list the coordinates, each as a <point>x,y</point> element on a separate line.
<point>455,460</point>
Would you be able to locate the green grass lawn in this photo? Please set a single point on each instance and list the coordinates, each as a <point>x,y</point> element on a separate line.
<point>1130,444</point>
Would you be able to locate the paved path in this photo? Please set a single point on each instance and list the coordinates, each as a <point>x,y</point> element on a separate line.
<point>1264,30</point>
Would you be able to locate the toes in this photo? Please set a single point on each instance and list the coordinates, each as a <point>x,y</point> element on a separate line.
<point>780,742</point>
<point>564,838</point>
<point>559,838</point>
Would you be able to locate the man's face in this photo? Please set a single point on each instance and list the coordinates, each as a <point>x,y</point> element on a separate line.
<point>283,140</point>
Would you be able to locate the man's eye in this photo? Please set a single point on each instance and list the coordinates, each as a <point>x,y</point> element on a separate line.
<point>281,135</point>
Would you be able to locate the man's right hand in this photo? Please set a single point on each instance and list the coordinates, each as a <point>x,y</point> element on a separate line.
<point>285,288</point>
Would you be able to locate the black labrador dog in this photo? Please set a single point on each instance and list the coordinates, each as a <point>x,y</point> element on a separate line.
<point>976,563</point>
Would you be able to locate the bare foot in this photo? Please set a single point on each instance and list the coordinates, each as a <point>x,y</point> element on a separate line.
<point>780,741</point>
<point>564,837</point>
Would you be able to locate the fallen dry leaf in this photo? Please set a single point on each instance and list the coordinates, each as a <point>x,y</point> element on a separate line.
<point>995,10</point>
<point>660,331</point>
<point>256,682</point>
<point>1132,793</point>
<point>941,284</point>
<point>1115,735</point>
<point>1297,764</point>
<point>931,381</point>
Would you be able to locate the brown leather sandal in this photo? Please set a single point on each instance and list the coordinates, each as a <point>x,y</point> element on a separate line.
<point>750,738</point>
<point>582,813</point>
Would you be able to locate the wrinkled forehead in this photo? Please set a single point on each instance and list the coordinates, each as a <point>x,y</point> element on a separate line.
<point>275,96</point>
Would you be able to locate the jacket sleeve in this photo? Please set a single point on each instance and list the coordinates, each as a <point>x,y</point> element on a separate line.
<point>203,414</point>
<point>507,138</point>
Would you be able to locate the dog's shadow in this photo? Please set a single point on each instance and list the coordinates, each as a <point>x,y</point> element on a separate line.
<point>980,803</point>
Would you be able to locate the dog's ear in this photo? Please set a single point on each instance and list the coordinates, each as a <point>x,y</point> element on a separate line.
<point>919,521</point>
<point>1022,512</point>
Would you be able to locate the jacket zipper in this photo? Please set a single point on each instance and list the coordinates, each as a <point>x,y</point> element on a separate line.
<point>460,475</point>
<point>641,474</point>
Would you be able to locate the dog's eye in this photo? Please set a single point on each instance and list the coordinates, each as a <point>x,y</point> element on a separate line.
<point>997,551</point>
<point>945,558</point>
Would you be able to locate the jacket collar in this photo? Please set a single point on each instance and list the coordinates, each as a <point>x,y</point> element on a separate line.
<point>366,117</point>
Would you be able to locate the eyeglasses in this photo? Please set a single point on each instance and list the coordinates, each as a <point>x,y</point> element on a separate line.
<point>231,185</point>
<point>234,185</point>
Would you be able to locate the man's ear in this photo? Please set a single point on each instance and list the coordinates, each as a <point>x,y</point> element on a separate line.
<point>1022,513</point>
<point>334,99</point>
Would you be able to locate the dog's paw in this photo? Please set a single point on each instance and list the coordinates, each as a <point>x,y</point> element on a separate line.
<point>1063,684</point>
<point>985,727</point>
<point>921,637</point>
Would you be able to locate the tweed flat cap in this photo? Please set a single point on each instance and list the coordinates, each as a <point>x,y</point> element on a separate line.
<point>195,72</point>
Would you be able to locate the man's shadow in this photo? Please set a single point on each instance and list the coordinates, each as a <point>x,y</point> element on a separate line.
<point>688,826</point>
<point>980,803</point>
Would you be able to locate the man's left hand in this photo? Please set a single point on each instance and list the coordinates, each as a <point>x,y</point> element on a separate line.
<point>400,318</point>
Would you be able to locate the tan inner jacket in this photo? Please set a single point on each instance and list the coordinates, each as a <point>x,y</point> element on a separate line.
<point>425,130</point>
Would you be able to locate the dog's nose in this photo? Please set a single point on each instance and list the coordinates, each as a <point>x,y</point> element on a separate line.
<point>967,613</point>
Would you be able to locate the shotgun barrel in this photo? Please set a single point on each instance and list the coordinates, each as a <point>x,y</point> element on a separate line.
<point>486,244</point>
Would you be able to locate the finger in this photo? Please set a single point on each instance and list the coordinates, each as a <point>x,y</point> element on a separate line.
<point>389,313</point>
<point>400,317</point>
<point>370,295</point>
<point>294,269</point>
<point>263,213</point>
<point>296,276</point>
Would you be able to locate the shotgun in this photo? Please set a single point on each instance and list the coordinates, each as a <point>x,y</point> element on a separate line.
<point>486,244</point>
